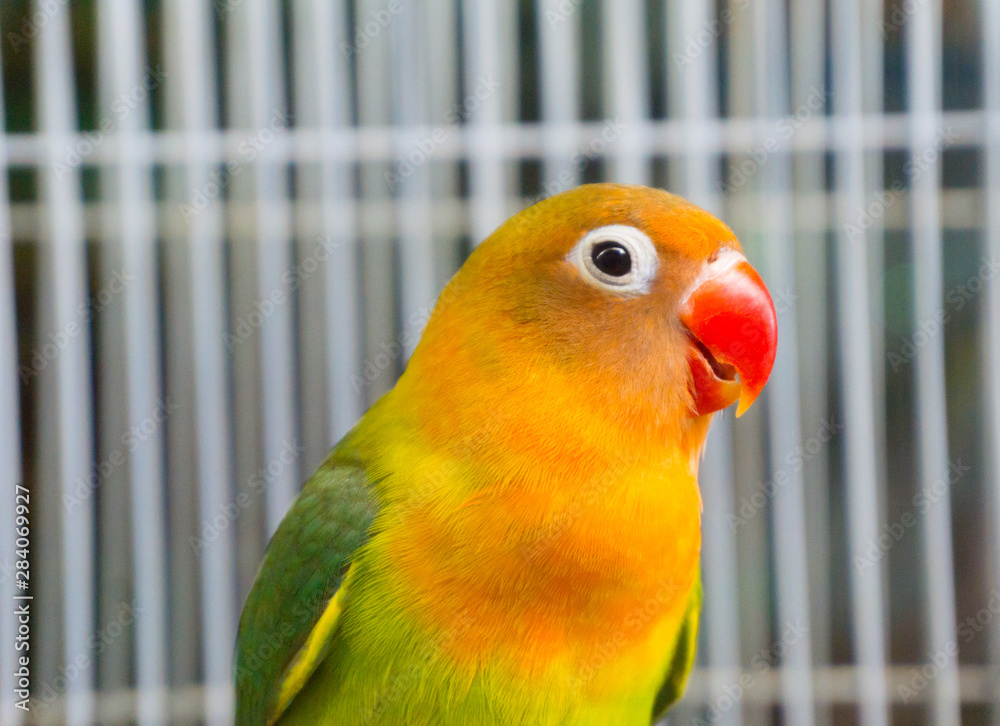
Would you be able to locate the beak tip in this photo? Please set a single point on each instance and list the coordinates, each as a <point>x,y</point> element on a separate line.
<point>747,397</point>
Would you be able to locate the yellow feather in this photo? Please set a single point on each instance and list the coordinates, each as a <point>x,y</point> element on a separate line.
<point>308,657</point>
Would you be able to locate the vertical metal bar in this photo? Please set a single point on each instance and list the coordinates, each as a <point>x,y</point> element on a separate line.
<point>858,387</point>
<point>194,89</point>
<point>695,78</point>
<point>696,95</point>
<point>310,271</point>
<point>10,442</point>
<point>323,75</point>
<point>442,95</point>
<point>268,116</point>
<point>182,481</point>
<point>413,209</point>
<point>243,275</point>
<point>991,310</point>
<point>807,40</point>
<point>558,36</point>
<point>122,42</point>
<point>484,72</point>
<point>626,87</point>
<point>63,209</point>
<point>371,57</point>
<point>719,569</point>
<point>788,506</point>
<point>873,106</point>
<point>509,36</point>
<point>923,85</point>
<point>114,582</point>
<point>113,527</point>
<point>749,458</point>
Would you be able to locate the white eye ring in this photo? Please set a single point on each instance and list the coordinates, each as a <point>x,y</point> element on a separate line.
<point>640,249</point>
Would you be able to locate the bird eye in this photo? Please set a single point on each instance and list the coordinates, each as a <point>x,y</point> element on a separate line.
<point>611,258</point>
<point>616,258</point>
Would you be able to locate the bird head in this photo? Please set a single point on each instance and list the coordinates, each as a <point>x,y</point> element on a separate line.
<point>624,301</point>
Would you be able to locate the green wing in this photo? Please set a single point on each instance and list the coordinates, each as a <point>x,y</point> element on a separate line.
<point>293,606</point>
<point>683,658</point>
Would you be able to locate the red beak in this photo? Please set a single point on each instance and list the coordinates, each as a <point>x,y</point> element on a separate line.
<point>734,329</point>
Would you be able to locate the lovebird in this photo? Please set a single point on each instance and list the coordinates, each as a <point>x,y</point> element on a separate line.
<point>511,534</point>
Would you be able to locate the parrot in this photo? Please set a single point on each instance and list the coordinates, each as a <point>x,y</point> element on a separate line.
<point>511,534</point>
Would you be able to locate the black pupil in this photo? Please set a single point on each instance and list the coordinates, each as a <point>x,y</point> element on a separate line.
<point>611,258</point>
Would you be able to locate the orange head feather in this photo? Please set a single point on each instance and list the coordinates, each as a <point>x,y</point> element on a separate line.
<point>529,324</point>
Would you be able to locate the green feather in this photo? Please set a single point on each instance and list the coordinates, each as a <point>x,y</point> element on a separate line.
<point>305,563</point>
<point>683,658</point>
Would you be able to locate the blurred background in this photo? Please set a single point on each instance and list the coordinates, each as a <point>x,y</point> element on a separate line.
<point>223,224</point>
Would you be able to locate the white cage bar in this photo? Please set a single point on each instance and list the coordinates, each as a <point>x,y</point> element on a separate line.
<point>388,139</point>
<point>10,444</point>
<point>862,463</point>
<point>72,426</point>
<point>122,45</point>
<point>923,61</point>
